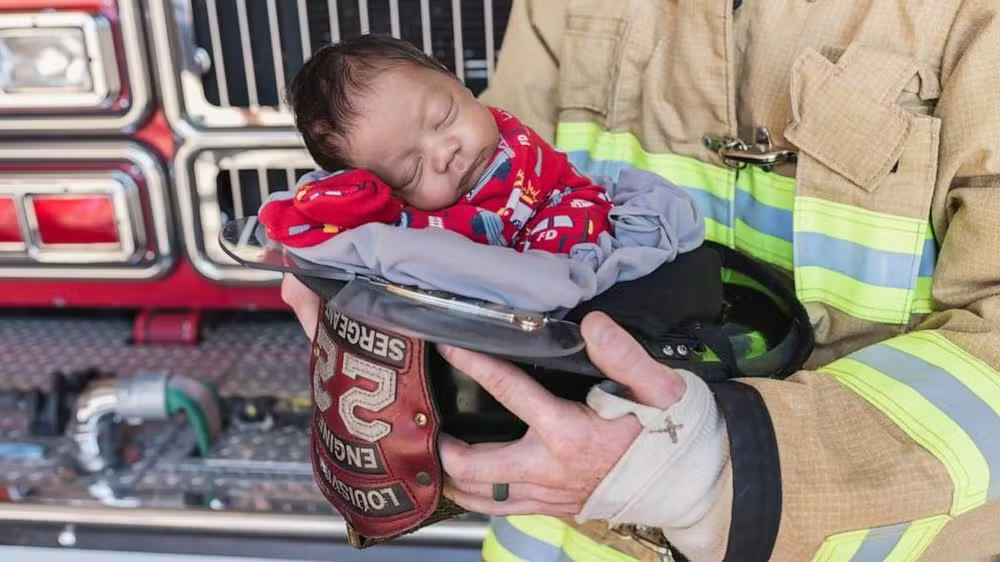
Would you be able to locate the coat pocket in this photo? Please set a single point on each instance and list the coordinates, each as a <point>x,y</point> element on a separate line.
<point>864,185</point>
<point>590,48</point>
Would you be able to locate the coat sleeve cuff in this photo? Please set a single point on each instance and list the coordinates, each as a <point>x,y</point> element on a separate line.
<point>756,472</point>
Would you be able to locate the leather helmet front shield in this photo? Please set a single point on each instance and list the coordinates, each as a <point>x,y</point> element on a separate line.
<point>374,430</point>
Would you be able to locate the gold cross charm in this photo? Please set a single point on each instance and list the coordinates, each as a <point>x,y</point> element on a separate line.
<point>670,429</point>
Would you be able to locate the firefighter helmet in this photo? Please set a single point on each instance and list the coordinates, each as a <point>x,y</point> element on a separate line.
<point>382,394</point>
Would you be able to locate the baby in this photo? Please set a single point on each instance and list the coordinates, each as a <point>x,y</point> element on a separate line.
<point>407,144</point>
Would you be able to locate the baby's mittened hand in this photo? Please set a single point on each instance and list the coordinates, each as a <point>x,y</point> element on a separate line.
<point>317,211</point>
<point>348,199</point>
<point>284,224</point>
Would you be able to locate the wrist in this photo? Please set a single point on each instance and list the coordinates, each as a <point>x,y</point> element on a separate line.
<point>674,474</point>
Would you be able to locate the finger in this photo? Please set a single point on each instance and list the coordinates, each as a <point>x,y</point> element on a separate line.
<point>303,302</point>
<point>510,507</point>
<point>518,491</point>
<point>490,462</point>
<point>453,442</point>
<point>512,387</point>
<point>621,358</point>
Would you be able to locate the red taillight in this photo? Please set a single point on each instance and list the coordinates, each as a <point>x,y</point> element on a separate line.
<point>76,219</point>
<point>89,210</point>
<point>10,225</point>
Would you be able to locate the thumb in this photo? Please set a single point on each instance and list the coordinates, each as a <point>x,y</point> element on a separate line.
<point>303,302</point>
<point>622,359</point>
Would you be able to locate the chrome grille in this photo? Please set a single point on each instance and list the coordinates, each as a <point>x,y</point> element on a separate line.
<point>241,191</point>
<point>223,66</point>
<point>236,56</point>
<point>229,181</point>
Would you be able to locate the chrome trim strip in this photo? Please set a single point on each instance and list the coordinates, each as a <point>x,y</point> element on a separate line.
<point>425,26</point>
<point>143,266</point>
<point>456,23</point>
<point>330,527</point>
<point>247,52</point>
<point>331,8</point>
<point>136,107</point>
<point>196,168</point>
<point>303,14</point>
<point>394,17</point>
<point>491,43</point>
<point>219,65</point>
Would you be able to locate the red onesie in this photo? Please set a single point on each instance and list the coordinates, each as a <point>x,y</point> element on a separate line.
<point>529,197</point>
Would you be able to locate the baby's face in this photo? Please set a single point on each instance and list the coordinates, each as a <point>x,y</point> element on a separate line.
<point>424,134</point>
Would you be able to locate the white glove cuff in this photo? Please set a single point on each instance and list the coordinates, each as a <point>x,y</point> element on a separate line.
<point>673,473</point>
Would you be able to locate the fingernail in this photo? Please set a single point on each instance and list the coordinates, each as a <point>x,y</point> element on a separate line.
<point>445,350</point>
<point>601,330</point>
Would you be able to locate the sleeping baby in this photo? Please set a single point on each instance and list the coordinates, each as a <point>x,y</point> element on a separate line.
<point>405,143</point>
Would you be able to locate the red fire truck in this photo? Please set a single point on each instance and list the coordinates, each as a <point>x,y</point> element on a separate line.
<point>130,132</point>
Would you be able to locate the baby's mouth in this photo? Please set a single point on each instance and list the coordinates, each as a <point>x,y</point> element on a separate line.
<point>476,171</point>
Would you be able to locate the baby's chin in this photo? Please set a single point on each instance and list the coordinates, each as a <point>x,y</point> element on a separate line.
<point>440,205</point>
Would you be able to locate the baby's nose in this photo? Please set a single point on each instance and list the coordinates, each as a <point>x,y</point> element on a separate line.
<point>445,155</point>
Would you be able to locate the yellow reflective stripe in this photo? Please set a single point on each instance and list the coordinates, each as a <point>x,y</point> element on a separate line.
<point>923,302</point>
<point>709,185</point>
<point>881,252</point>
<point>718,232</point>
<point>894,543</point>
<point>878,231</point>
<point>942,353</point>
<point>538,538</point>
<point>598,152</point>
<point>763,246</point>
<point>917,538</point>
<point>943,398</point>
<point>546,529</point>
<point>926,425</point>
<point>624,147</point>
<point>494,551</point>
<point>878,304</point>
<point>759,214</point>
<point>767,187</point>
<point>763,216</point>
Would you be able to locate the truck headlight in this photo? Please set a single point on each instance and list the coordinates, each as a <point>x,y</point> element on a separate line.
<point>57,60</point>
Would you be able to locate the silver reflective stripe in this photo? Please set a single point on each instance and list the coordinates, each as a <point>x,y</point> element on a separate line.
<point>979,421</point>
<point>525,546</point>
<point>879,543</point>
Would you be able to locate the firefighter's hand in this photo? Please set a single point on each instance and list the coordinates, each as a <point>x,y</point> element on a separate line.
<point>304,303</point>
<point>568,449</point>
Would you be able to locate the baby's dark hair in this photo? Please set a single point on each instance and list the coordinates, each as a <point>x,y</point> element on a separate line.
<point>322,95</point>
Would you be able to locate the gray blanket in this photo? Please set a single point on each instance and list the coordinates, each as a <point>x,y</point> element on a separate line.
<point>653,222</point>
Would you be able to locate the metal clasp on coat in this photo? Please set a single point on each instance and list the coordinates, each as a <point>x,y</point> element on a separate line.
<point>737,154</point>
<point>649,537</point>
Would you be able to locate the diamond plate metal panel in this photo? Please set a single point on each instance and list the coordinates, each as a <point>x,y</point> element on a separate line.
<point>251,469</point>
